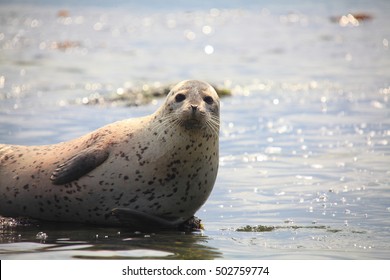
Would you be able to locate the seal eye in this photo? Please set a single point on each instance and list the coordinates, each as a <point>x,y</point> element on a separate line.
<point>180,97</point>
<point>208,99</point>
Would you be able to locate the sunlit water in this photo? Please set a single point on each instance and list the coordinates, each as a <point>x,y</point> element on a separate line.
<point>304,137</point>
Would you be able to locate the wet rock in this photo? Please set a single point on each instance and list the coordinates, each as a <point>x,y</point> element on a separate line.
<point>351,19</point>
<point>65,45</point>
<point>192,224</point>
<point>63,13</point>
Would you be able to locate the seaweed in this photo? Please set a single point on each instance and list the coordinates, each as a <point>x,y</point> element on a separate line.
<point>137,96</point>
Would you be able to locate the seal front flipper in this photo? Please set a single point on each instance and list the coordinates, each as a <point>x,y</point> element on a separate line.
<point>79,165</point>
<point>141,220</point>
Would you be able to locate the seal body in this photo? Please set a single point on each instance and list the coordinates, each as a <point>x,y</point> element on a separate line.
<point>163,166</point>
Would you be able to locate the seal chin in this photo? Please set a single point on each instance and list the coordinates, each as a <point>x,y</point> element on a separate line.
<point>192,124</point>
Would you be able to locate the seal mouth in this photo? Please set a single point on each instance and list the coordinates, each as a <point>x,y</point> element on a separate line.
<point>192,123</point>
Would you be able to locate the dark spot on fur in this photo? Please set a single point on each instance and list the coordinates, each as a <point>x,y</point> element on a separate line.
<point>148,191</point>
<point>170,177</point>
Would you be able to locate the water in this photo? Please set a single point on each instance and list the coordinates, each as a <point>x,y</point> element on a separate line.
<point>304,137</point>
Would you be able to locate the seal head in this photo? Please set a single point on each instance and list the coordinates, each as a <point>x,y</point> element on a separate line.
<point>192,105</point>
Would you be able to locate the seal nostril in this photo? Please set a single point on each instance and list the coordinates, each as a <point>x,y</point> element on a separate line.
<point>194,107</point>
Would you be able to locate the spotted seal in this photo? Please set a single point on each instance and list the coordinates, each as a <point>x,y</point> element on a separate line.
<point>158,169</point>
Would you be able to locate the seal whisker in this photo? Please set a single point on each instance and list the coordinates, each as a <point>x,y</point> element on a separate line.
<point>213,124</point>
<point>213,128</point>
<point>166,124</point>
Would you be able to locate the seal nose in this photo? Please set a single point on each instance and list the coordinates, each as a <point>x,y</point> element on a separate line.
<point>194,108</point>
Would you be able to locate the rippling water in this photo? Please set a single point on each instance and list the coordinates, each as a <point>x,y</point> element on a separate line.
<point>304,137</point>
